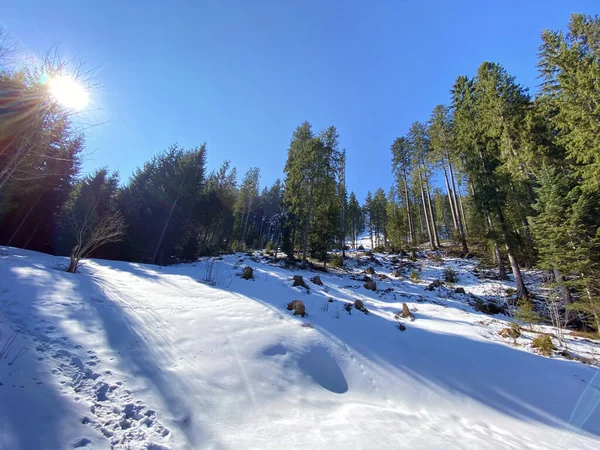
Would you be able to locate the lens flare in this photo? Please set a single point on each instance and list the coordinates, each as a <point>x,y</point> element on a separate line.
<point>68,92</point>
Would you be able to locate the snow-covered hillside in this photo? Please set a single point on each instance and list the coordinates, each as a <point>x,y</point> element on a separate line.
<point>143,357</point>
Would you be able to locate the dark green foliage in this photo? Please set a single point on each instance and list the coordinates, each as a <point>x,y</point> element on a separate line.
<point>526,312</point>
<point>312,196</point>
<point>163,205</point>
<point>39,157</point>
<point>337,261</point>
<point>450,275</point>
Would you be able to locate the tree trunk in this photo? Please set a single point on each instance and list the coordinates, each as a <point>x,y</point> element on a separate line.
<point>564,292</point>
<point>246,224</point>
<point>293,240</point>
<point>12,237</point>
<point>514,265</point>
<point>72,265</point>
<point>32,234</point>
<point>306,229</point>
<point>450,199</point>
<point>164,230</point>
<point>497,254</point>
<point>74,259</point>
<point>427,222</point>
<point>459,220</point>
<point>436,238</point>
<point>411,225</point>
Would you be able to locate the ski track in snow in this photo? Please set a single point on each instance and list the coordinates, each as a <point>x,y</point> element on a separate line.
<point>132,356</point>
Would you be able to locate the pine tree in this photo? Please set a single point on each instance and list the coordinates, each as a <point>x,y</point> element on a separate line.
<point>355,218</point>
<point>419,143</point>
<point>486,109</point>
<point>310,185</point>
<point>401,167</point>
<point>441,143</point>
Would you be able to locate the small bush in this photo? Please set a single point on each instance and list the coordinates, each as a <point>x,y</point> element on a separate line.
<point>337,261</point>
<point>236,246</point>
<point>543,344</point>
<point>525,313</point>
<point>514,332</point>
<point>379,249</point>
<point>269,247</point>
<point>415,276</point>
<point>450,275</point>
<point>435,257</point>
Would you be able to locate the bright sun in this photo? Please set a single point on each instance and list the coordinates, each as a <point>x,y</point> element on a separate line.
<point>68,92</point>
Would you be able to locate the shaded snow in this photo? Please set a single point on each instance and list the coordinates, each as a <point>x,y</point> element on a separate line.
<point>138,356</point>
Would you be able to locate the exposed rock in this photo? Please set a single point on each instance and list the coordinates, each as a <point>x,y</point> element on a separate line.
<point>316,280</point>
<point>370,285</point>
<point>299,281</point>
<point>402,327</point>
<point>406,312</point>
<point>298,307</point>
<point>370,270</point>
<point>383,276</point>
<point>435,284</point>
<point>358,304</point>
<point>366,278</point>
<point>396,273</point>
<point>248,273</point>
<point>374,260</point>
<point>369,253</point>
<point>360,247</point>
<point>487,307</point>
<point>459,290</point>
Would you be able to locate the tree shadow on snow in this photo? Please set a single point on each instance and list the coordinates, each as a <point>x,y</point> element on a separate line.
<point>137,358</point>
<point>50,407</point>
<point>33,411</point>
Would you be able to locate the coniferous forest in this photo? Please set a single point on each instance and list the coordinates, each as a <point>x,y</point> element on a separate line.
<point>509,176</point>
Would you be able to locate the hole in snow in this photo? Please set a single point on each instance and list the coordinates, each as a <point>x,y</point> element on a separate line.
<point>276,349</point>
<point>322,368</point>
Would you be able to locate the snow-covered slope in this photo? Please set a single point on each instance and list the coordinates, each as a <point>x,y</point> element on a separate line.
<point>137,356</point>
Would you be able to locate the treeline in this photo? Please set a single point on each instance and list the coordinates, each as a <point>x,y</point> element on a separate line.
<point>522,173</point>
<point>497,168</point>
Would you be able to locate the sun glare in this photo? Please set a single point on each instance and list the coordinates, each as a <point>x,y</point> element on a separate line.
<point>68,92</point>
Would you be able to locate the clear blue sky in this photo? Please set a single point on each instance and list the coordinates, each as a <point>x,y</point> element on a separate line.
<point>241,75</point>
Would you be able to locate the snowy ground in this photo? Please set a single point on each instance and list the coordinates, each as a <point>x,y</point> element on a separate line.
<point>136,356</point>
